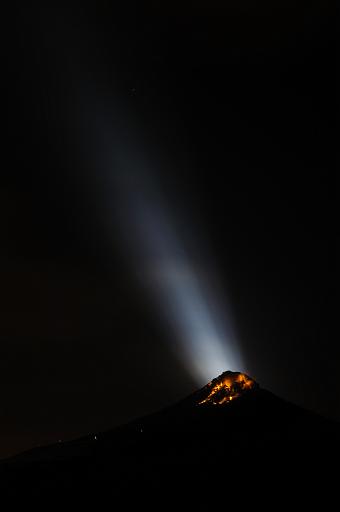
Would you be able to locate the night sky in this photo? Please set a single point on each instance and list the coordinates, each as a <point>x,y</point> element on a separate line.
<point>229,109</point>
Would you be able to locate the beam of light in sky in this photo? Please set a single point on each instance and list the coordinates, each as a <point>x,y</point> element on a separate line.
<point>182,287</point>
<point>169,263</point>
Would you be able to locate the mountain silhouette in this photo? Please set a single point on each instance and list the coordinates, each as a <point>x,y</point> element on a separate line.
<point>216,438</point>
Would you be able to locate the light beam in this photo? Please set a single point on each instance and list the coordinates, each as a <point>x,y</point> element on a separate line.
<point>181,287</point>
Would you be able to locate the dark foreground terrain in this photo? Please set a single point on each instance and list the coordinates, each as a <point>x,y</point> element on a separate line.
<point>258,443</point>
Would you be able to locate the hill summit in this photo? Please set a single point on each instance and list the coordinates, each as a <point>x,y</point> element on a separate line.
<point>226,387</point>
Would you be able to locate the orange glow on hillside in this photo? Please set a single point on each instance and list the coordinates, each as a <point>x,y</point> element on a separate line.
<point>227,387</point>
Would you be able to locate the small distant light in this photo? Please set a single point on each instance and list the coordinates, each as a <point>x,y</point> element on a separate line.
<point>141,430</point>
<point>95,438</point>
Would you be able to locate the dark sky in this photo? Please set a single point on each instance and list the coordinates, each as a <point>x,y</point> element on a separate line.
<point>235,103</point>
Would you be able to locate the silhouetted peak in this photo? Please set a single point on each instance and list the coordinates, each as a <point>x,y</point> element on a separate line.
<point>226,387</point>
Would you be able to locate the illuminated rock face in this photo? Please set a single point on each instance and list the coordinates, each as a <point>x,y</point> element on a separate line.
<point>225,388</point>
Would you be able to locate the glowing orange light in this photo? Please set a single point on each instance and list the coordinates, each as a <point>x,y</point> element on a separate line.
<point>227,387</point>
